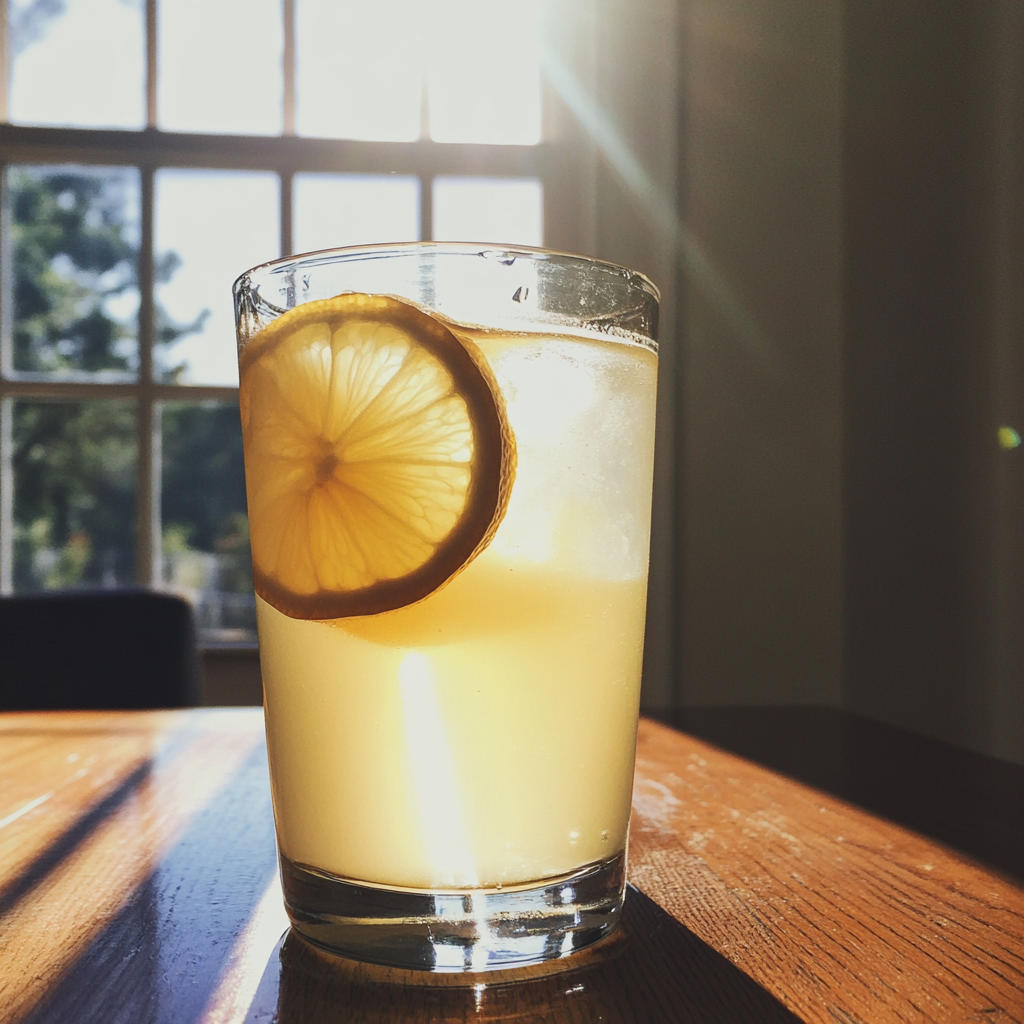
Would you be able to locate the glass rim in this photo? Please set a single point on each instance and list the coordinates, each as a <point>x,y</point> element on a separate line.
<point>381,250</point>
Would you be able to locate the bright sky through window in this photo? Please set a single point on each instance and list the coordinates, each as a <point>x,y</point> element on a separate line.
<point>220,65</point>
<point>332,210</point>
<point>362,67</point>
<point>358,73</point>
<point>77,63</point>
<point>508,211</point>
<point>482,64</point>
<point>219,223</point>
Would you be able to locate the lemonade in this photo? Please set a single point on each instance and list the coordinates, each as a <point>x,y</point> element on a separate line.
<point>484,736</point>
<point>449,459</point>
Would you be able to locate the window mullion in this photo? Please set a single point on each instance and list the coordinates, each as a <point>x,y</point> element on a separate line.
<point>288,69</point>
<point>287,213</point>
<point>5,62</point>
<point>426,207</point>
<point>151,63</point>
<point>147,481</point>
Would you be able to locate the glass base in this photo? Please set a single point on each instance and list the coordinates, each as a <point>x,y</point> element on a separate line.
<point>455,930</point>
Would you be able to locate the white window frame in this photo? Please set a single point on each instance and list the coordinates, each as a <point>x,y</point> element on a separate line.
<point>567,216</point>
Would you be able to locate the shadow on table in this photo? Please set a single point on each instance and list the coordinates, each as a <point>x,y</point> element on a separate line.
<point>160,958</point>
<point>654,970</point>
<point>970,801</point>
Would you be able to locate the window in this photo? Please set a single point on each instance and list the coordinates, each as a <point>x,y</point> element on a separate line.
<point>181,142</point>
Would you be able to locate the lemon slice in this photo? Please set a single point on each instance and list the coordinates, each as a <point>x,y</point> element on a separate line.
<point>378,457</point>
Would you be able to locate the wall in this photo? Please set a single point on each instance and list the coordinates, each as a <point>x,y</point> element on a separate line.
<point>934,266</point>
<point>612,69</point>
<point>848,226</point>
<point>759,452</point>
<point>635,220</point>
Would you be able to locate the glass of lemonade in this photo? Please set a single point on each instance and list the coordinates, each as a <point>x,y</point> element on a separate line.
<point>449,454</point>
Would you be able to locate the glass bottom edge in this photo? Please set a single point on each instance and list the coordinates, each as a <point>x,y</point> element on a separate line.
<point>464,931</point>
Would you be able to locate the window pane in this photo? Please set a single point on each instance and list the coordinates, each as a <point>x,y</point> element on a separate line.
<point>73,257</point>
<point>77,62</point>
<point>332,210</point>
<point>210,227</point>
<point>502,211</point>
<point>74,494</point>
<point>203,512</point>
<point>220,66</point>
<point>358,69</point>
<point>483,71</point>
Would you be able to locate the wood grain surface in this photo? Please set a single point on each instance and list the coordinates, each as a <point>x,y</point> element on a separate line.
<point>972,802</point>
<point>138,884</point>
<point>843,916</point>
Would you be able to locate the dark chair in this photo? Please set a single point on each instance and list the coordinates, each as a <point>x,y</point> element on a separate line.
<point>97,649</point>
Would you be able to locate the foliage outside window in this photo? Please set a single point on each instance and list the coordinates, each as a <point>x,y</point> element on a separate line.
<point>120,449</point>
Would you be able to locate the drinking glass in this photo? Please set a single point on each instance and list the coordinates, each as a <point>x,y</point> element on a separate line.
<point>452,777</point>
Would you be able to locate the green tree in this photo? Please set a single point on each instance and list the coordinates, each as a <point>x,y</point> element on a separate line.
<point>74,255</point>
<point>204,488</point>
<point>74,466</point>
<point>70,255</point>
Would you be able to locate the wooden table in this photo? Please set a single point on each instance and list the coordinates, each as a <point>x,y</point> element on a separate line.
<point>138,884</point>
